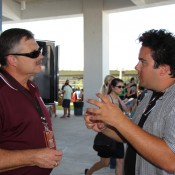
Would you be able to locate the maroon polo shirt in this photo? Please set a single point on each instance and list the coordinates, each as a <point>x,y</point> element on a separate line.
<point>20,123</point>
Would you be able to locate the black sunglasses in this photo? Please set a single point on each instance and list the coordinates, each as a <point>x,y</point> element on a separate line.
<point>120,87</point>
<point>32,55</point>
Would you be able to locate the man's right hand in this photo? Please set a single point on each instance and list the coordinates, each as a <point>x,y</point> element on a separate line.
<point>97,126</point>
<point>47,158</point>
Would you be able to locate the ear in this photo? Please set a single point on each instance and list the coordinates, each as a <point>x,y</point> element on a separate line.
<point>164,70</point>
<point>11,60</point>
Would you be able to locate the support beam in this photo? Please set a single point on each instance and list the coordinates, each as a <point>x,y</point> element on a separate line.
<point>11,10</point>
<point>138,2</point>
<point>96,56</point>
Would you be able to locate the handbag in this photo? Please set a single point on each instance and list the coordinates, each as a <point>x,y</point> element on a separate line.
<point>105,144</point>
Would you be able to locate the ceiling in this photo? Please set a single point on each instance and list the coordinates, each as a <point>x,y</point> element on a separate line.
<point>14,11</point>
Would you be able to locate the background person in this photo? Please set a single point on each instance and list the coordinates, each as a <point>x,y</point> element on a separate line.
<point>27,144</point>
<point>104,90</point>
<point>67,96</point>
<point>115,88</point>
<point>105,86</point>
<point>151,138</point>
<point>104,159</point>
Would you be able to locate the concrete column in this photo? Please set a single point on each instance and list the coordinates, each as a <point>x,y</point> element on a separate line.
<point>0,16</point>
<point>96,47</point>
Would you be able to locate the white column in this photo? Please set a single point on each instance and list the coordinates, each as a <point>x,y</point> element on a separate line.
<point>96,47</point>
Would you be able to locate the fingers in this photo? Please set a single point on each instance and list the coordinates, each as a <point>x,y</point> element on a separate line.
<point>56,164</point>
<point>90,123</point>
<point>95,115</point>
<point>59,153</point>
<point>89,117</point>
<point>58,158</point>
<point>103,99</point>
<point>100,104</point>
<point>48,158</point>
<point>94,102</point>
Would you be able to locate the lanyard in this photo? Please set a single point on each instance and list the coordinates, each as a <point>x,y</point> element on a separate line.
<point>129,166</point>
<point>34,101</point>
<point>149,108</point>
<point>31,97</point>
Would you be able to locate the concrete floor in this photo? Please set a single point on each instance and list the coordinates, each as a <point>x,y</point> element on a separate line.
<point>76,141</point>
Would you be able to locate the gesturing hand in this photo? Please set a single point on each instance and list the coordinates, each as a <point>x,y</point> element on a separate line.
<point>106,113</point>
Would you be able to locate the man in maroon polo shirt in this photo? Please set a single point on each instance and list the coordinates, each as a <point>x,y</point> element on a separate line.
<point>27,144</point>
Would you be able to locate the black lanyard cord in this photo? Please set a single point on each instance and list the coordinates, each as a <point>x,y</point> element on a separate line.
<point>36,105</point>
<point>129,166</point>
<point>32,98</point>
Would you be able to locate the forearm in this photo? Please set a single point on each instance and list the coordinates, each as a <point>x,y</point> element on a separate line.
<point>43,158</point>
<point>112,132</point>
<point>152,148</point>
<point>15,159</point>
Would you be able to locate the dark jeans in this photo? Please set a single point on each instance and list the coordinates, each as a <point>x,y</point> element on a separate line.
<point>112,163</point>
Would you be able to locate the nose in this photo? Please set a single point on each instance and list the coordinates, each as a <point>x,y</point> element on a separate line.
<point>41,55</point>
<point>137,66</point>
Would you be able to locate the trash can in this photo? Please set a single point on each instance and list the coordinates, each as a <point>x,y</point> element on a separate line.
<point>78,107</point>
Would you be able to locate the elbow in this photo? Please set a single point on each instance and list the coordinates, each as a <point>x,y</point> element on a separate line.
<point>170,171</point>
<point>169,168</point>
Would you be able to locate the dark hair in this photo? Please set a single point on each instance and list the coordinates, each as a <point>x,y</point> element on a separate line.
<point>67,82</point>
<point>9,39</point>
<point>162,44</point>
<point>114,82</point>
<point>132,78</point>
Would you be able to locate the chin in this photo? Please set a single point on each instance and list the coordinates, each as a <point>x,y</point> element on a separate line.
<point>141,84</point>
<point>39,69</point>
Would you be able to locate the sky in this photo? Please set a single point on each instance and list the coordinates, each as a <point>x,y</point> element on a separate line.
<point>124,29</point>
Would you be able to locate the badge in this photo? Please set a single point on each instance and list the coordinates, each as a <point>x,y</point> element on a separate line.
<point>49,139</point>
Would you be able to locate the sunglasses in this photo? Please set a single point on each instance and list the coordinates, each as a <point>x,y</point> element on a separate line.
<point>119,87</point>
<point>32,55</point>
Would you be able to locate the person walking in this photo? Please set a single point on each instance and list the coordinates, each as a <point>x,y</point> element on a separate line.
<point>104,160</point>
<point>115,88</point>
<point>27,144</point>
<point>150,134</point>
